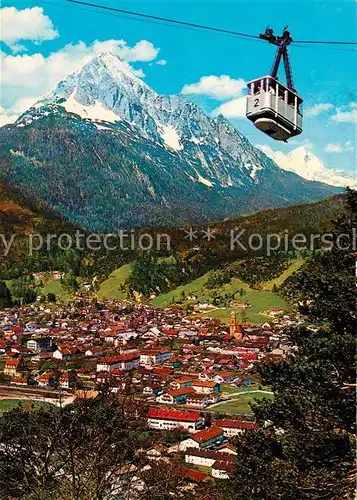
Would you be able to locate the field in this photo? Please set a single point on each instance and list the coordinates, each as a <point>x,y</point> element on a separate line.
<point>110,288</point>
<point>9,404</point>
<point>294,266</point>
<point>196,287</point>
<point>243,388</point>
<point>54,286</point>
<point>240,404</point>
<point>260,300</point>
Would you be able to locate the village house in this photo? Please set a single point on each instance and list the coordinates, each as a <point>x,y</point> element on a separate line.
<point>176,396</point>
<point>224,377</point>
<point>94,352</point>
<point>67,380</point>
<point>232,428</point>
<point>206,458</point>
<point>208,438</point>
<point>194,475</point>
<point>46,379</point>
<point>67,353</point>
<point>11,367</point>
<point>206,386</point>
<point>274,311</point>
<point>153,390</point>
<point>166,419</point>
<point>200,400</point>
<point>126,361</point>
<point>38,344</point>
<point>227,448</point>
<point>182,382</point>
<point>154,357</point>
<point>222,468</point>
<point>19,381</point>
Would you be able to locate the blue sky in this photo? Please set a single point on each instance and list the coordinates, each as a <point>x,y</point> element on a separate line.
<point>324,77</point>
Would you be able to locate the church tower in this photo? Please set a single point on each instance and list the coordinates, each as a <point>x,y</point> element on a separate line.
<point>233,323</point>
<point>235,329</point>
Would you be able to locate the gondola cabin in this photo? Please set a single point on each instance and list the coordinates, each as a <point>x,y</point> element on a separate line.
<point>274,109</point>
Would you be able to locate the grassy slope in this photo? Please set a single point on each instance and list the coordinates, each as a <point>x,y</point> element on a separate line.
<point>294,266</point>
<point>54,286</point>
<point>240,404</point>
<point>260,300</point>
<point>196,287</point>
<point>110,288</point>
<point>9,404</point>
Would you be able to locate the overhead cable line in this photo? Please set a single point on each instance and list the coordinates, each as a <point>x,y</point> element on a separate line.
<point>164,19</point>
<point>194,25</point>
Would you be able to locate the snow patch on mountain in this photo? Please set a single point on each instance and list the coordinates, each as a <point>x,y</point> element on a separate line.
<point>304,163</point>
<point>254,171</point>
<point>170,137</point>
<point>94,112</point>
<point>204,181</point>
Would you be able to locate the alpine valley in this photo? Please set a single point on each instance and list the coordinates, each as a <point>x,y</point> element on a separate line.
<point>106,152</point>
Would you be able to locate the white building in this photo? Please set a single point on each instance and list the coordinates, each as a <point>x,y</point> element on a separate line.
<point>126,362</point>
<point>206,457</point>
<point>153,357</point>
<point>232,428</point>
<point>166,419</point>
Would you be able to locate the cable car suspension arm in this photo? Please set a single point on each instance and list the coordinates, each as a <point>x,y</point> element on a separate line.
<point>282,42</point>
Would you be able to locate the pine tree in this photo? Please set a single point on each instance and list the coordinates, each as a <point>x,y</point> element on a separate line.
<point>312,455</point>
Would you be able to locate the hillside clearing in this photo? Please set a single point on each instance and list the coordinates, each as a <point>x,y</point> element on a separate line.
<point>10,404</point>
<point>240,404</point>
<point>111,287</point>
<point>294,266</point>
<point>55,287</point>
<point>260,300</point>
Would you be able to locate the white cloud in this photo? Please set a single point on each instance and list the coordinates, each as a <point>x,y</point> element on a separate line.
<point>333,148</point>
<point>27,24</point>
<point>24,103</point>
<point>138,72</point>
<point>302,142</point>
<point>25,76</point>
<point>143,51</point>
<point>347,114</point>
<point>217,87</point>
<point>235,108</point>
<point>317,109</point>
<point>161,62</point>
<point>7,116</point>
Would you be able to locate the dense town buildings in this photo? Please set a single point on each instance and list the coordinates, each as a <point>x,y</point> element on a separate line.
<point>182,369</point>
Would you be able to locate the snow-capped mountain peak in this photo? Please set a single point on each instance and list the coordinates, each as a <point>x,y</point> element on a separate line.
<point>152,158</point>
<point>303,162</point>
<point>106,89</point>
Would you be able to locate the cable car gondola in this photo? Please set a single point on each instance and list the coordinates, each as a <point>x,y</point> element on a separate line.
<point>275,109</point>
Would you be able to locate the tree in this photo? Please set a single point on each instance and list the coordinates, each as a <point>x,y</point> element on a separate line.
<point>90,450</point>
<point>5,296</point>
<point>69,282</point>
<point>51,297</point>
<point>313,454</point>
<point>79,452</point>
